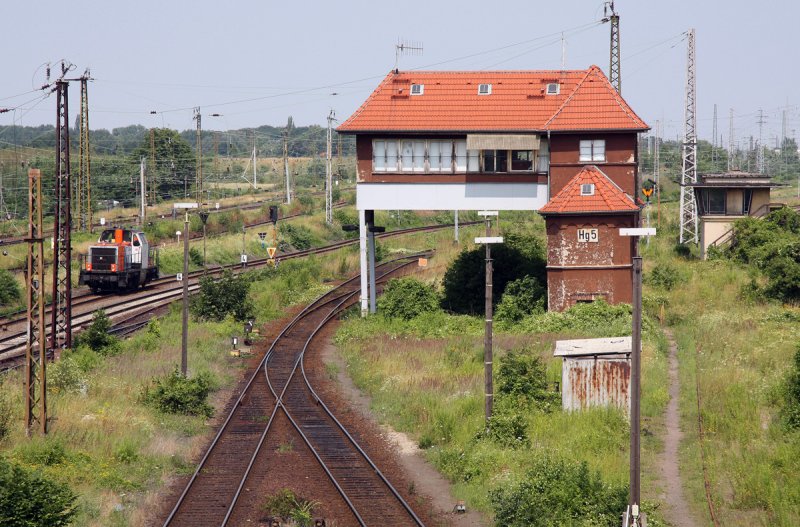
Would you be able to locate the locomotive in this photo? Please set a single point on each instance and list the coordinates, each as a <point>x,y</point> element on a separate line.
<point>122,259</point>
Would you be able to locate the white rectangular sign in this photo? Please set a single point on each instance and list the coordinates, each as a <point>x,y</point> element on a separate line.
<point>588,235</point>
<point>244,258</point>
<point>489,239</point>
<point>487,213</point>
<point>641,231</point>
<point>184,206</point>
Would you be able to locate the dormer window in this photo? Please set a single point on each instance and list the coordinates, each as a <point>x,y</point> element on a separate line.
<point>484,89</point>
<point>587,189</point>
<point>553,88</point>
<point>417,89</point>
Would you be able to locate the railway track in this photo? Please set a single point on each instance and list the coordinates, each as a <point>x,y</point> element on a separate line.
<point>279,402</point>
<point>125,308</point>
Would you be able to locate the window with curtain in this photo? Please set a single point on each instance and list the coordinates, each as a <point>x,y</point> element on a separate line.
<point>461,156</point>
<point>592,150</point>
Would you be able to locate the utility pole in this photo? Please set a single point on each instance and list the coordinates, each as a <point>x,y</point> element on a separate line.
<point>151,172</point>
<point>329,171</point>
<point>760,149</point>
<point>35,346</point>
<point>199,149</point>
<point>488,240</point>
<point>286,164</point>
<point>142,192</point>
<point>657,169</point>
<point>61,330</point>
<point>254,160</point>
<point>185,279</point>
<point>84,201</point>
<point>688,210</point>
<point>731,139</point>
<point>615,75</point>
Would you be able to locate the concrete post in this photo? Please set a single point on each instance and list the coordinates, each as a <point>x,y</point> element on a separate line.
<point>370,220</point>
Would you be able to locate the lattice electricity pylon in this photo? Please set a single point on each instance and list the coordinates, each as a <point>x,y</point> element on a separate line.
<point>61,327</point>
<point>688,210</point>
<point>83,208</point>
<point>614,70</point>
<point>35,346</point>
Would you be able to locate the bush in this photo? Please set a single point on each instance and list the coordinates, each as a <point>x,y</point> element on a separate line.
<point>465,279</point>
<point>522,376</point>
<point>6,415</point>
<point>521,298</point>
<point>28,499</point>
<point>507,427</point>
<point>226,296</point>
<point>596,319</point>
<point>559,492</point>
<point>98,336</point>
<point>791,408</point>
<point>9,289</point>
<point>176,394</point>
<point>196,257</point>
<point>664,276</point>
<point>65,376</point>
<point>300,237</point>
<point>407,298</point>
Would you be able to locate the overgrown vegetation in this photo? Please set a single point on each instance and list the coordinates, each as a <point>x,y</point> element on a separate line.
<point>224,296</point>
<point>10,292</point>
<point>98,336</point>
<point>772,245</point>
<point>29,499</point>
<point>791,408</point>
<point>559,492</point>
<point>290,507</point>
<point>522,297</point>
<point>464,282</point>
<point>407,298</point>
<point>176,394</point>
<point>522,378</point>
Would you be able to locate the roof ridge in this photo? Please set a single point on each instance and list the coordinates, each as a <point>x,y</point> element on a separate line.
<point>619,100</point>
<point>566,101</point>
<point>368,99</point>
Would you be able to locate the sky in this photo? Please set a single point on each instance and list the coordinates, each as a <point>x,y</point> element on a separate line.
<point>259,62</point>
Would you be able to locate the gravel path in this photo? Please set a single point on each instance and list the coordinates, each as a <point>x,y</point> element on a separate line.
<point>677,510</point>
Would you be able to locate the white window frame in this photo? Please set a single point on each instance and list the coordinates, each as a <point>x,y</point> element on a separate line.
<point>556,88</point>
<point>587,189</point>
<point>420,89</point>
<point>596,150</point>
<point>484,89</point>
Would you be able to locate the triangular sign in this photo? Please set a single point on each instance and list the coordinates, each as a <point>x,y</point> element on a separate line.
<point>271,251</point>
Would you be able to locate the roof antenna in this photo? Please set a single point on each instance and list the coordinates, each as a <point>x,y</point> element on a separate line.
<point>404,47</point>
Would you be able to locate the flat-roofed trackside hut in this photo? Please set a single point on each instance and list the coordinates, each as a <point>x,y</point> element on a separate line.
<point>486,140</point>
<point>724,198</point>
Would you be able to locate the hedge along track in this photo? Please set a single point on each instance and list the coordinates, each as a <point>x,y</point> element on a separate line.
<point>211,497</point>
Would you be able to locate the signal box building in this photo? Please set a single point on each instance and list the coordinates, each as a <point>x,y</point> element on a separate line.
<point>724,198</point>
<point>490,140</point>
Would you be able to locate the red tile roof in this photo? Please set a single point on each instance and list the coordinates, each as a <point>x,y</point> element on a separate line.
<point>607,197</point>
<point>518,102</point>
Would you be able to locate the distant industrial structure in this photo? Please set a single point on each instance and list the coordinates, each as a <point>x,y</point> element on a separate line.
<point>508,140</point>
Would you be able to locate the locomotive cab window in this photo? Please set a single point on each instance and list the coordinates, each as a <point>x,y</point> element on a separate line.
<point>107,236</point>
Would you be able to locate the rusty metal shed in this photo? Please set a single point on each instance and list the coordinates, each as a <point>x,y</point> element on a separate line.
<point>595,372</point>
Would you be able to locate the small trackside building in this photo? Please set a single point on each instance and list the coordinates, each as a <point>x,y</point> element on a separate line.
<point>486,140</point>
<point>587,259</point>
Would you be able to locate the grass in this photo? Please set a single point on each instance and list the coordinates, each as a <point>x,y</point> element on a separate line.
<point>114,451</point>
<point>735,353</point>
<point>425,378</point>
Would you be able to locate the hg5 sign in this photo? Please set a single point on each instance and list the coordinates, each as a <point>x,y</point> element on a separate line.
<point>588,235</point>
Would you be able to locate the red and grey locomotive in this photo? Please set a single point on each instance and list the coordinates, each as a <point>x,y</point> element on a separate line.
<point>121,260</point>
